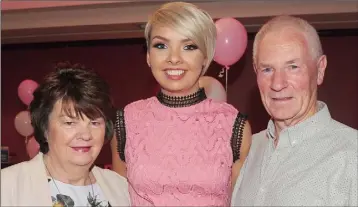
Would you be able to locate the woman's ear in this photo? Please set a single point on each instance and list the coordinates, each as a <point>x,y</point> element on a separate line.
<point>148,59</point>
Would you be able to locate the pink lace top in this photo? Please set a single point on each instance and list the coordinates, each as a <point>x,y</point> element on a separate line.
<point>179,156</point>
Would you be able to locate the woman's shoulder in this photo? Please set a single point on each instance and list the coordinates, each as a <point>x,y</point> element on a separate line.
<point>142,103</point>
<point>221,106</point>
<point>113,185</point>
<point>110,175</point>
<point>14,169</point>
<point>14,174</point>
<point>24,170</point>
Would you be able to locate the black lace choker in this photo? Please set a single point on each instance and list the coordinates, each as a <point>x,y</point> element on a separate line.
<point>182,101</point>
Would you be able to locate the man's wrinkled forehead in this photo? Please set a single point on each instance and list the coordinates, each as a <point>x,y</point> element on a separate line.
<point>282,40</point>
<point>285,33</point>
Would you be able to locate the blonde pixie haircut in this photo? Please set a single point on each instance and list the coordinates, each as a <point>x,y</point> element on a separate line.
<point>281,22</point>
<point>188,20</point>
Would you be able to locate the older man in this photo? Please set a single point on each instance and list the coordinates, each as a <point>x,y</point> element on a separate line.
<point>304,157</point>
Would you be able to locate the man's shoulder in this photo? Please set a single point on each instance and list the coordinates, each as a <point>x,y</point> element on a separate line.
<point>342,127</point>
<point>342,133</point>
<point>260,136</point>
<point>259,139</point>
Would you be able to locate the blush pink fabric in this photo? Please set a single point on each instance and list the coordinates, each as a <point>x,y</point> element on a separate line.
<point>179,156</point>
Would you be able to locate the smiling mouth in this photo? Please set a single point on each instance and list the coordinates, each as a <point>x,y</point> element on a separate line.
<point>282,99</point>
<point>174,72</point>
<point>81,149</point>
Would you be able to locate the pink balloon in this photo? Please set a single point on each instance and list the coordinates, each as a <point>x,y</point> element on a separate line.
<point>26,90</point>
<point>213,88</point>
<point>231,41</point>
<point>32,147</point>
<point>23,124</point>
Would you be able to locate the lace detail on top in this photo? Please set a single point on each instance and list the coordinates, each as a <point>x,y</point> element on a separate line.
<point>120,129</point>
<point>236,138</point>
<point>179,156</point>
<point>237,134</point>
<point>177,101</point>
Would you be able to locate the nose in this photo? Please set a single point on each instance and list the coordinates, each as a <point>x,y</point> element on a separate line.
<point>278,81</point>
<point>174,56</point>
<point>85,132</point>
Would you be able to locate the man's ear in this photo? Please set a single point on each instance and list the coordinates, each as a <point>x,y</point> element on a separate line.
<point>255,68</point>
<point>321,67</point>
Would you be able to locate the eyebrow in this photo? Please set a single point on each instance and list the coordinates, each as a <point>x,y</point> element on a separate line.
<point>160,37</point>
<point>167,40</point>
<point>292,61</point>
<point>67,116</point>
<point>265,65</point>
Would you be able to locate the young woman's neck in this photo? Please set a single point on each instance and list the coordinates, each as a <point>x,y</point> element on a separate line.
<point>181,93</point>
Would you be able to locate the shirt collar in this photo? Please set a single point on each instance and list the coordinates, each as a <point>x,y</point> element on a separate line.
<point>305,129</point>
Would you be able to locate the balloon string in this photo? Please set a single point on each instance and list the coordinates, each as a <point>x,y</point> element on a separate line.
<point>221,74</point>
<point>26,139</point>
<point>225,70</point>
<point>226,78</point>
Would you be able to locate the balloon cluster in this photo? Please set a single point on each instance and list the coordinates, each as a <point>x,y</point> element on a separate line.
<point>22,120</point>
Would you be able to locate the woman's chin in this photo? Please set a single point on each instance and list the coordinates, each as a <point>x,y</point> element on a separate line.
<point>83,160</point>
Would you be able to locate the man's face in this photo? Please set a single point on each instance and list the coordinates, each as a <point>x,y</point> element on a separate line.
<point>288,75</point>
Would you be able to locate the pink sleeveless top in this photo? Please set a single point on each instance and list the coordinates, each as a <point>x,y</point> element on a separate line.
<point>179,156</point>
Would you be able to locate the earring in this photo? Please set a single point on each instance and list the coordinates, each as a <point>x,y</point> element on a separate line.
<point>46,137</point>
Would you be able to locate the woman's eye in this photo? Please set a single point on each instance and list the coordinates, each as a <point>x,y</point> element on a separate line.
<point>190,47</point>
<point>96,123</point>
<point>160,46</point>
<point>69,123</point>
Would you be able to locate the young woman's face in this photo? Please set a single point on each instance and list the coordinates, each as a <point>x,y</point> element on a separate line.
<point>175,60</point>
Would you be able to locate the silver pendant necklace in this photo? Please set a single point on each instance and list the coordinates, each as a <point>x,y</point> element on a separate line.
<point>91,198</point>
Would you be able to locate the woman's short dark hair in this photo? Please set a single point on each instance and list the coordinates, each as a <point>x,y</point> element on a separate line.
<point>79,89</point>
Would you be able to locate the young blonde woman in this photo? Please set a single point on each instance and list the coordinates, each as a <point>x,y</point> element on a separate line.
<point>180,148</point>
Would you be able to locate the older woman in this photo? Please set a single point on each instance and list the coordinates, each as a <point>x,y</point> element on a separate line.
<point>71,115</point>
<point>180,148</point>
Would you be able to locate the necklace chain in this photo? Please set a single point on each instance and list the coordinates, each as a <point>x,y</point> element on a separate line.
<point>66,205</point>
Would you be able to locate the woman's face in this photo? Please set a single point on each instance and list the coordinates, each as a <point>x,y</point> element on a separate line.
<point>176,61</point>
<point>74,140</point>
